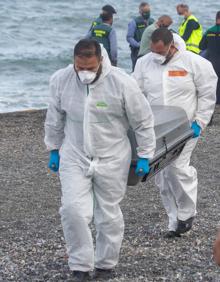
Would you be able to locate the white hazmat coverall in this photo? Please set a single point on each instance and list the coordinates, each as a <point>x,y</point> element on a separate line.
<point>88,124</point>
<point>179,43</point>
<point>188,81</point>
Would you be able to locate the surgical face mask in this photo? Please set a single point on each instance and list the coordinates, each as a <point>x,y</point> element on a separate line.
<point>146,15</point>
<point>182,17</point>
<point>161,59</point>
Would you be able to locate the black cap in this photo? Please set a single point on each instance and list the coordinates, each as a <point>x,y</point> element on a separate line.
<point>109,9</point>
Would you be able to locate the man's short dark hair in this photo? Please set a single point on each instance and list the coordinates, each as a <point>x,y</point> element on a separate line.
<point>109,9</point>
<point>143,4</point>
<point>218,15</point>
<point>183,6</point>
<point>165,18</point>
<point>163,34</point>
<point>106,17</point>
<point>87,48</point>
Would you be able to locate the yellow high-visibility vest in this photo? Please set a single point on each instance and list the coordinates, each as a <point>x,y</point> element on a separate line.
<point>192,44</point>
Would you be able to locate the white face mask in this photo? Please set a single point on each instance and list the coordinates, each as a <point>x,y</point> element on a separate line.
<point>160,59</point>
<point>86,77</point>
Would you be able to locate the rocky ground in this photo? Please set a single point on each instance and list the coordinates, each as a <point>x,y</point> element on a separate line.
<point>31,240</point>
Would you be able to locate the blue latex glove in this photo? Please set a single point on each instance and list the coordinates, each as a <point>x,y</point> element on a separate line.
<point>196,129</point>
<point>143,167</point>
<point>54,160</point>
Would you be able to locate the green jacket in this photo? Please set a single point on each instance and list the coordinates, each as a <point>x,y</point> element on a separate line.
<point>211,40</point>
<point>141,24</point>
<point>100,32</point>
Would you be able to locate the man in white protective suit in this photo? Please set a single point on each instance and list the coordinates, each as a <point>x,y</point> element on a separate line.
<point>92,106</point>
<point>171,77</point>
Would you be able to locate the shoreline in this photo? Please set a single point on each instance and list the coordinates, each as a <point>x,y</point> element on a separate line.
<point>24,111</point>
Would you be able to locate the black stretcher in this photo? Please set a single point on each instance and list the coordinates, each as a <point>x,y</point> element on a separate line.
<point>173,130</point>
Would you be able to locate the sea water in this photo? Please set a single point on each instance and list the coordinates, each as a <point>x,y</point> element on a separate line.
<point>37,38</point>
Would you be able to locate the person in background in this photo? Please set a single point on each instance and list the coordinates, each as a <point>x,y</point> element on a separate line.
<point>167,76</point>
<point>211,44</point>
<point>107,9</point>
<point>190,29</point>
<point>105,34</point>
<point>136,28</point>
<point>163,21</point>
<point>91,108</point>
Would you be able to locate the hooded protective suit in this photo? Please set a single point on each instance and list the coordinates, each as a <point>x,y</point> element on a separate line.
<point>179,43</point>
<point>88,124</point>
<point>187,81</point>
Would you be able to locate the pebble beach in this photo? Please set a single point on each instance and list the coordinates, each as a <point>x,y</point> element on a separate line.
<point>32,246</point>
